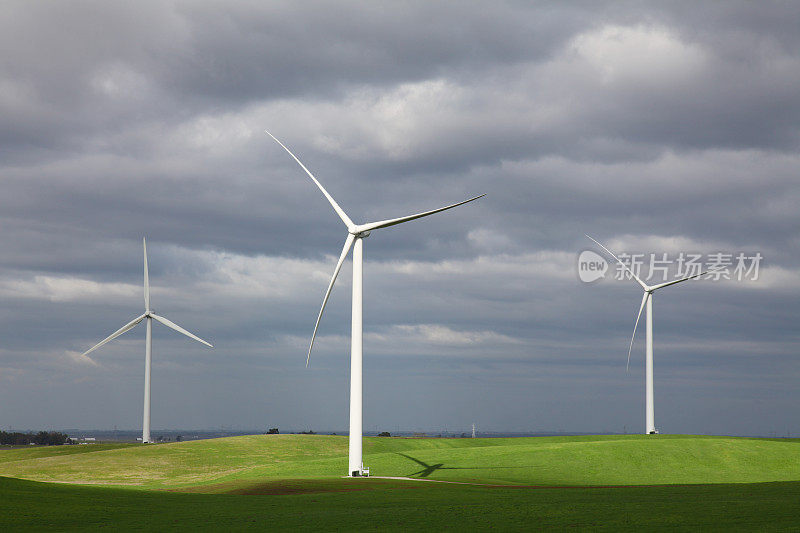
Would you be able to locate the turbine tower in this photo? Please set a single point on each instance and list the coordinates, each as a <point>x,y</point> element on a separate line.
<point>356,233</point>
<point>647,300</point>
<point>149,315</point>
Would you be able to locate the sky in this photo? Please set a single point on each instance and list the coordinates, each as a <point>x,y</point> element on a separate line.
<point>656,128</point>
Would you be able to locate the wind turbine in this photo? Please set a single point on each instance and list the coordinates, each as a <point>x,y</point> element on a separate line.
<point>647,299</point>
<point>149,315</point>
<point>356,233</point>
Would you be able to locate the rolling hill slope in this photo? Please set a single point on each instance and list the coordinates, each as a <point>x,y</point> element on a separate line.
<point>540,461</point>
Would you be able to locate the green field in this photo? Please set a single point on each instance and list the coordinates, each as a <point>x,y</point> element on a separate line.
<point>294,481</point>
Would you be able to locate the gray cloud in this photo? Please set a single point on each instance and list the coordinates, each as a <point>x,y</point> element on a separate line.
<point>653,127</point>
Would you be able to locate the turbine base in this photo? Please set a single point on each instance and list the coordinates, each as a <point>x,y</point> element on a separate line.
<point>362,472</point>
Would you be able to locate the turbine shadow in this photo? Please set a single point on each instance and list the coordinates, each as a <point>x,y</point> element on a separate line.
<point>427,469</point>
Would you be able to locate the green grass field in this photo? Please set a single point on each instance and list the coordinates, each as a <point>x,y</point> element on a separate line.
<point>294,481</point>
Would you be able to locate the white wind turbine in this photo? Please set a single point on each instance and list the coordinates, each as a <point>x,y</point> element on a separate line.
<point>355,235</point>
<point>149,315</point>
<point>647,299</point>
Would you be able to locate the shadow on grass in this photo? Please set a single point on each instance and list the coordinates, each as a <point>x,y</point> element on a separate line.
<point>283,487</point>
<point>427,469</point>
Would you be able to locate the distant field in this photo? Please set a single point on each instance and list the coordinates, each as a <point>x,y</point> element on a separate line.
<point>539,461</point>
<point>23,453</point>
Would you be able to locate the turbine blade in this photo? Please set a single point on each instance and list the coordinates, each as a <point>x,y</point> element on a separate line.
<point>339,211</point>
<point>130,325</point>
<point>348,243</point>
<point>176,327</point>
<point>642,283</point>
<point>146,278</point>
<point>641,307</point>
<point>667,284</point>
<point>394,221</point>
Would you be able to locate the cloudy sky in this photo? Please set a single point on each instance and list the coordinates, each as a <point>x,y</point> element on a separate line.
<point>655,128</point>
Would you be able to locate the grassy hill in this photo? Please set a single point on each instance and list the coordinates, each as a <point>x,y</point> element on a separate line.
<point>539,461</point>
<point>293,482</point>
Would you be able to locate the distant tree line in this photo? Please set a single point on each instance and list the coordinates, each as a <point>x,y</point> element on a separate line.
<point>49,438</point>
